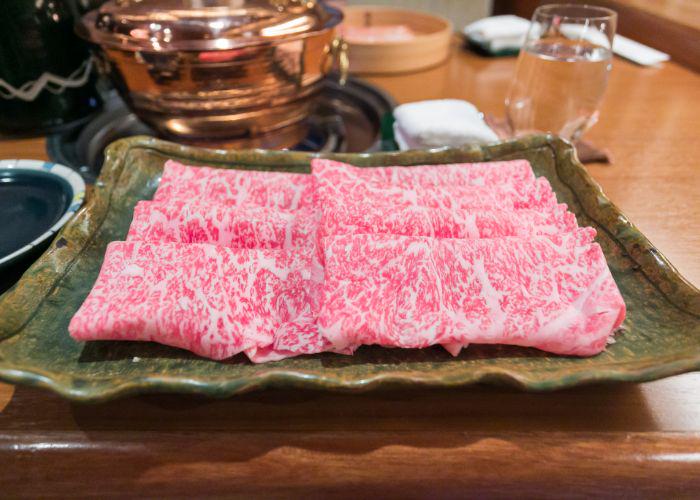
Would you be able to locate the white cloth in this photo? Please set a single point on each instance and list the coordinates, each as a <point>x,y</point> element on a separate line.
<point>441,122</point>
<point>499,32</point>
<point>489,28</point>
<point>508,32</point>
<point>637,52</point>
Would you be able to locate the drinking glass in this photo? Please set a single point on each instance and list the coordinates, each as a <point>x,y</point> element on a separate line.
<point>562,70</point>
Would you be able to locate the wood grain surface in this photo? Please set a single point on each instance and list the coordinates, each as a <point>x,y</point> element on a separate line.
<point>387,464</point>
<point>486,442</point>
<point>640,440</point>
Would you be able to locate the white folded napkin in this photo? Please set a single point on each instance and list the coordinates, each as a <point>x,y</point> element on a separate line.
<point>491,28</point>
<point>498,33</point>
<point>637,52</point>
<point>441,122</point>
<point>508,32</point>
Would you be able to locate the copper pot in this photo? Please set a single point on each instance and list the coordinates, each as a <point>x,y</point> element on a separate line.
<point>216,69</point>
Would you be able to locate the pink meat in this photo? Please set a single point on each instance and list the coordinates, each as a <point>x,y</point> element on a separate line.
<point>293,342</point>
<point>504,185</point>
<point>211,300</point>
<point>179,221</point>
<point>444,223</point>
<point>238,188</point>
<point>552,293</point>
<point>511,172</point>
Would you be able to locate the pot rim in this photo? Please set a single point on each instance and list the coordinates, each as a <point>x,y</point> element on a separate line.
<point>86,30</point>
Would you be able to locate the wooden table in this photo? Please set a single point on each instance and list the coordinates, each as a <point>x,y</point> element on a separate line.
<point>642,440</point>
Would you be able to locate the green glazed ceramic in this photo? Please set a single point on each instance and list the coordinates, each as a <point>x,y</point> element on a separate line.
<point>660,337</point>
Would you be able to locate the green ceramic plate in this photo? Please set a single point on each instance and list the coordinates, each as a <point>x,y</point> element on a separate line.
<point>661,335</point>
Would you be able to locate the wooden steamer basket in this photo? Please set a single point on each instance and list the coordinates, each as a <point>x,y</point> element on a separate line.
<point>430,47</point>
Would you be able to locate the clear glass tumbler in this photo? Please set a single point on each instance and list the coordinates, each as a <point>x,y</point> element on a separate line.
<point>562,70</point>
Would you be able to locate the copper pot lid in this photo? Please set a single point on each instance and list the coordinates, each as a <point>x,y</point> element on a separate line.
<point>173,25</point>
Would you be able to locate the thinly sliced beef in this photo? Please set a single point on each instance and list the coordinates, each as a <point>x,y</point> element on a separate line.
<point>229,261</point>
<point>212,300</point>
<point>444,223</point>
<point>293,342</point>
<point>179,221</point>
<point>514,172</point>
<point>240,188</point>
<point>468,186</point>
<point>552,293</point>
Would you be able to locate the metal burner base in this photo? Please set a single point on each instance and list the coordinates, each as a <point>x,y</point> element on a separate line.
<point>345,119</point>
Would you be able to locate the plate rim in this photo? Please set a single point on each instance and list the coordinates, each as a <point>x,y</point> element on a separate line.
<point>90,392</point>
<point>75,182</point>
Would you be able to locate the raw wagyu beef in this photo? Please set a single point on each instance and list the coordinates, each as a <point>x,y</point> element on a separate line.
<point>495,173</point>
<point>405,200</point>
<point>212,300</point>
<point>444,223</point>
<point>480,186</point>
<point>235,209</point>
<point>276,265</point>
<point>180,221</point>
<point>552,293</point>
<point>235,187</point>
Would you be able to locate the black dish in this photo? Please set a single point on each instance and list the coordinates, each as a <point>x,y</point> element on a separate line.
<point>30,203</point>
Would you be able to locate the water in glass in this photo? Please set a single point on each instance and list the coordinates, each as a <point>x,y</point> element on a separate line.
<point>562,73</point>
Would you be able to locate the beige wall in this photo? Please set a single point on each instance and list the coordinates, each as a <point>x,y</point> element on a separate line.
<point>460,12</point>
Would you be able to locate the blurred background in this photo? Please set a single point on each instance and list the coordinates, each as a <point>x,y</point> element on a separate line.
<point>460,12</point>
<point>667,25</point>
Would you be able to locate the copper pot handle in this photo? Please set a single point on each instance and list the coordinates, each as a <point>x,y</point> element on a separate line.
<point>337,52</point>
